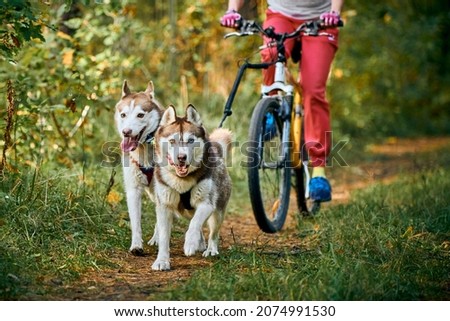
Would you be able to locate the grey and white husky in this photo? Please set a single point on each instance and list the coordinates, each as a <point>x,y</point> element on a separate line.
<point>191,180</point>
<point>137,118</point>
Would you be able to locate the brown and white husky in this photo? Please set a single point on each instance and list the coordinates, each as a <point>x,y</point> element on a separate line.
<point>137,118</point>
<point>191,180</point>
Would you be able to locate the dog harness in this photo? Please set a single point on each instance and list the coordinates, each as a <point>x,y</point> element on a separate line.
<point>150,139</point>
<point>147,171</point>
<point>185,199</point>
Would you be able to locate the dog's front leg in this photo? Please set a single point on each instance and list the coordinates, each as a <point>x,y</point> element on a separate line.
<point>151,194</point>
<point>134,202</point>
<point>164,219</point>
<point>194,238</point>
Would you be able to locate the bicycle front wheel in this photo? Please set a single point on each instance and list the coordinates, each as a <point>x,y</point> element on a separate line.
<point>268,169</point>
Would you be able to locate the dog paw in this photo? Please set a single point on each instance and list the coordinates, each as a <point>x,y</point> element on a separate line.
<point>189,250</point>
<point>161,265</point>
<point>137,251</point>
<point>201,246</point>
<point>210,252</point>
<point>194,242</point>
<point>153,241</point>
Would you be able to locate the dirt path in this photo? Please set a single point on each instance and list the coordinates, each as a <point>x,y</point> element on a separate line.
<point>133,279</point>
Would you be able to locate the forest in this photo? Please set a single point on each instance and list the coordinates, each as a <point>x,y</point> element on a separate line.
<point>62,65</point>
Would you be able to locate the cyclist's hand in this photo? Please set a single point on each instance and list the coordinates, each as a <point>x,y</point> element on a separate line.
<point>330,19</point>
<point>230,19</point>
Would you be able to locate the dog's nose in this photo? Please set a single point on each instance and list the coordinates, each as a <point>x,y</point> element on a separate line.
<point>182,158</point>
<point>127,132</point>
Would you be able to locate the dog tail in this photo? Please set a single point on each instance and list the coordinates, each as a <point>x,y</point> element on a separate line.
<point>222,137</point>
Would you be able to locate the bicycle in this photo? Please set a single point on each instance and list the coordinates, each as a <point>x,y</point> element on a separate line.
<point>273,155</point>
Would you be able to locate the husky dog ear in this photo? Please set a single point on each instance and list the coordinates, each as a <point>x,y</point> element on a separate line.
<point>150,89</point>
<point>125,89</point>
<point>193,116</point>
<point>169,116</point>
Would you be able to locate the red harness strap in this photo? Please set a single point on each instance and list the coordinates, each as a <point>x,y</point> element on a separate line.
<point>147,171</point>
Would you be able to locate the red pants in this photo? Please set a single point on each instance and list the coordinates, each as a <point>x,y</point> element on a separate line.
<point>317,56</point>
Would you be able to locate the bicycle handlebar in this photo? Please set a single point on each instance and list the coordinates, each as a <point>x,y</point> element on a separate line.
<point>250,27</point>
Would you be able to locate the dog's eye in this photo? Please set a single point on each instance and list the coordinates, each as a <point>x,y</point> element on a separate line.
<point>172,141</point>
<point>123,115</point>
<point>140,115</point>
<point>190,141</point>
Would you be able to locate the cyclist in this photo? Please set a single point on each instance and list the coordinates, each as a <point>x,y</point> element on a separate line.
<point>317,55</point>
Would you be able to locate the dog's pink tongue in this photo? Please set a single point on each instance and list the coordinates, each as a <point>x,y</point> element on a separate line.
<point>128,144</point>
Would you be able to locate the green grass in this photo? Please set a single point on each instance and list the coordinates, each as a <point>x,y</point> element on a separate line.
<point>54,226</point>
<point>389,243</point>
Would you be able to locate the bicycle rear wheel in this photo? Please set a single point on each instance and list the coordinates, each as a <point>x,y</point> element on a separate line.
<point>268,169</point>
<point>299,187</point>
<point>305,206</point>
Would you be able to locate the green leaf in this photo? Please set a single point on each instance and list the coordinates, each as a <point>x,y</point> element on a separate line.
<point>74,23</point>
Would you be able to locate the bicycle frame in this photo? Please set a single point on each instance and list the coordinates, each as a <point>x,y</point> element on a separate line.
<point>276,102</point>
<point>285,96</point>
<point>310,28</point>
<point>279,84</point>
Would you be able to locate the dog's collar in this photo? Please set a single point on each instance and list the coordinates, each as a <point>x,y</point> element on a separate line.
<point>150,138</point>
